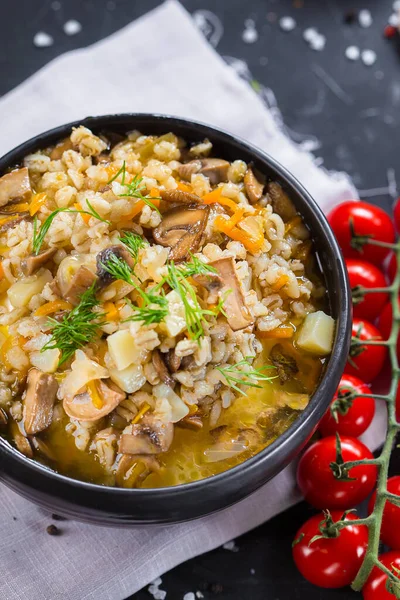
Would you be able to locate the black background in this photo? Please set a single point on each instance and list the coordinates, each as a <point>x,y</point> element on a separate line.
<point>355,116</point>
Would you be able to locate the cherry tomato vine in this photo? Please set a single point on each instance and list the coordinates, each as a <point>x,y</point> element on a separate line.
<point>365,339</point>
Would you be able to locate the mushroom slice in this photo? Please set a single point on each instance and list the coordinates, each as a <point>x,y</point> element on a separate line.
<point>81,406</point>
<point>179,197</point>
<point>281,203</point>
<point>13,220</point>
<point>23,444</point>
<point>192,422</point>
<point>150,436</point>
<point>34,262</point>
<point>161,368</point>
<point>172,361</point>
<point>216,169</point>
<point>254,188</point>
<point>39,400</point>
<point>133,469</point>
<point>178,222</point>
<point>236,311</point>
<point>83,279</point>
<point>60,148</point>
<point>117,251</point>
<point>15,185</point>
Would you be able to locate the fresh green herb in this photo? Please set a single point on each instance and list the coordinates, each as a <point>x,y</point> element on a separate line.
<point>154,310</point>
<point>196,267</point>
<point>243,374</point>
<point>135,188</point>
<point>119,269</point>
<point>133,243</point>
<point>78,328</point>
<point>40,233</point>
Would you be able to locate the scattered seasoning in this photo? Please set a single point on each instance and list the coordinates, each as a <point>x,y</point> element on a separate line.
<point>365,18</point>
<point>189,596</point>
<point>250,33</point>
<point>231,546</point>
<point>72,27</point>
<point>154,589</point>
<point>58,517</point>
<point>287,23</point>
<point>352,53</point>
<point>315,40</point>
<point>53,530</point>
<point>349,17</point>
<point>252,571</point>
<point>42,40</point>
<point>199,594</point>
<point>368,57</point>
<point>309,33</point>
<point>389,31</point>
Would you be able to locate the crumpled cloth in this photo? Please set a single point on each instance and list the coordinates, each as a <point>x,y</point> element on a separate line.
<point>159,63</point>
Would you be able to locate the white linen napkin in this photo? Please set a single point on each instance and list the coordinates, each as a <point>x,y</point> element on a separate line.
<point>177,73</point>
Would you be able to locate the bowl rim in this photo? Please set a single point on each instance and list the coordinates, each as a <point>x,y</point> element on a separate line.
<point>336,360</point>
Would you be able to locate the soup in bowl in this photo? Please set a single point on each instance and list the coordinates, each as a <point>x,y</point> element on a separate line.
<point>163,314</point>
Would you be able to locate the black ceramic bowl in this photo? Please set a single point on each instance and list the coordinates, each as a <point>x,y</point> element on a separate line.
<point>114,506</point>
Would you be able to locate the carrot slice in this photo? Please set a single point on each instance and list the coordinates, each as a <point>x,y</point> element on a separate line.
<point>52,307</point>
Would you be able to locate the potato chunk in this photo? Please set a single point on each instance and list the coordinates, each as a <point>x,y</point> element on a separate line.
<point>316,333</point>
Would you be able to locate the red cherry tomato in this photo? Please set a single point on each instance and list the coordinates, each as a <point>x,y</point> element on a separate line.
<point>367,275</point>
<point>366,220</point>
<point>392,267</point>
<point>317,482</point>
<point>385,321</point>
<point>330,562</point>
<point>375,588</point>
<point>359,411</point>
<point>365,362</point>
<point>390,531</point>
<point>396,215</point>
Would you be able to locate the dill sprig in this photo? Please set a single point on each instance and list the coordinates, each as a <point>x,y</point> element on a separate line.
<point>154,309</point>
<point>119,269</point>
<point>78,328</point>
<point>135,188</point>
<point>243,374</point>
<point>196,267</point>
<point>133,242</point>
<point>40,233</point>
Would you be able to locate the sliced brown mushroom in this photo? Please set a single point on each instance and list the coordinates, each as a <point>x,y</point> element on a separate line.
<point>15,185</point>
<point>41,389</point>
<point>172,361</point>
<point>133,469</point>
<point>82,407</point>
<point>216,169</point>
<point>281,203</point>
<point>192,422</point>
<point>34,262</point>
<point>161,368</point>
<point>182,228</point>
<point>60,148</point>
<point>179,197</point>
<point>150,436</point>
<point>236,311</point>
<point>117,251</point>
<point>254,188</point>
<point>3,418</point>
<point>23,445</point>
<point>12,221</point>
<point>83,279</point>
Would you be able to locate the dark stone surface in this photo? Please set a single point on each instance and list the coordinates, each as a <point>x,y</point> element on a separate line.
<point>352,109</point>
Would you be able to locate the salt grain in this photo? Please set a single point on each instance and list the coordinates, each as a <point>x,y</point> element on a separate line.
<point>352,53</point>
<point>250,34</point>
<point>189,596</point>
<point>396,5</point>
<point>368,57</point>
<point>309,34</point>
<point>154,590</point>
<point>318,42</point>
<point>231,546</point>
<point>72,27</point>
<point>252,571</point>
<point>394,20</point>
<point>42,40</point>
<point>365,18</point>
<point>199,594</point>
<point>287,23</point>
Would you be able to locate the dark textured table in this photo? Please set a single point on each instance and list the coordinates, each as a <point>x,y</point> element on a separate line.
<point>351,111</point>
